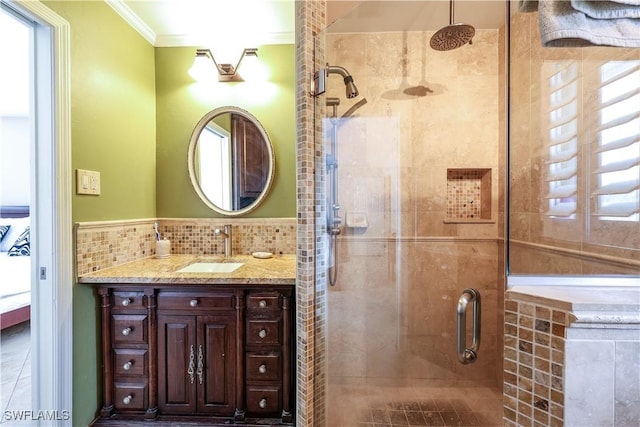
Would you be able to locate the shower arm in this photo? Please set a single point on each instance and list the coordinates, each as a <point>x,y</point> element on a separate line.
<point>451,12</point>
<point>336,69</point>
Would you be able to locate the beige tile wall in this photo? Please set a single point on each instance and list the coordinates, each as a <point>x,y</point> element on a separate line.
<point>584,244</point>
<point>400,278</point>
<point>395,155</point>
<point>392,313</point>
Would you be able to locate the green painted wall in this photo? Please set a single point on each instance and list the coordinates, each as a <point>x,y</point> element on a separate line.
<point>112,111</point>
<point>181,102</point>
<point>113,132</point>
<point>132,110</point>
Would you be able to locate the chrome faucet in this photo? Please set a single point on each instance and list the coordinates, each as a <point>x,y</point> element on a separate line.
<point>228,249</point>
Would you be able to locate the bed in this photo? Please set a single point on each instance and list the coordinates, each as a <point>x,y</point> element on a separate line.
<point>15,271</point>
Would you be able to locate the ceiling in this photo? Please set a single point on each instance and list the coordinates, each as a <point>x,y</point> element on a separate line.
<point>412,15</point>
<point>245,23</point>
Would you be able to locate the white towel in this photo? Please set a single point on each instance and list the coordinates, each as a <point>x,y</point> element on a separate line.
<point>608,9</point>
<point>563,26</point>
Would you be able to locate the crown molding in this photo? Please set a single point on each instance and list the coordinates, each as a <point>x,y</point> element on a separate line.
<point>133,20</point>
<point>182,40</point>
<point>177,40</point>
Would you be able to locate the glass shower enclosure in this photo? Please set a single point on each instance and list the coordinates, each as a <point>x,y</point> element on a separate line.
<point>414,183</point>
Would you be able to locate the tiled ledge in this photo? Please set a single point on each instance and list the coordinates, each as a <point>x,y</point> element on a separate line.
<point>584,341</point>
<point>606,306</point>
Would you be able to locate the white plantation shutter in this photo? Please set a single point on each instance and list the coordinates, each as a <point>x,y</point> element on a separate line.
<point>562,141</point>
<point>616,180</point>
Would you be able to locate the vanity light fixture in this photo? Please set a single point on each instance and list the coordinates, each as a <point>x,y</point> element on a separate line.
<point>202,66</point>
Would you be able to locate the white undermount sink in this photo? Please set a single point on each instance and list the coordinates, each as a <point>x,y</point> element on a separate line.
<point>211,267</point>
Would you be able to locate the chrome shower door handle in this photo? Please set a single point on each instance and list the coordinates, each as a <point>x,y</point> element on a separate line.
<point>468,355</point>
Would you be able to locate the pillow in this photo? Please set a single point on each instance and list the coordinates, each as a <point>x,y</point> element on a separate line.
<point>4,229</point>
<point>21,247</point>
<point>18,226</point>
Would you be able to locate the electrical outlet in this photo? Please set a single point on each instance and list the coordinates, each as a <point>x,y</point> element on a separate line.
<point>87,182</point>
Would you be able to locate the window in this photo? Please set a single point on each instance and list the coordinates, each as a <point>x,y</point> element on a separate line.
<point>562,141</point>
<point>616,180</point>
<point>214,148</point>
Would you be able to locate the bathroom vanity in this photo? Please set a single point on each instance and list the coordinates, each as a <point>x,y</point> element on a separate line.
<point>197,346</point>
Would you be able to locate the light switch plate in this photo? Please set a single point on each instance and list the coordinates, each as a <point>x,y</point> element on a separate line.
<point>87,182</point>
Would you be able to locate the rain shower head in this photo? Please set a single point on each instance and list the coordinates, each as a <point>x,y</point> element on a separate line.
<point>453,35</point>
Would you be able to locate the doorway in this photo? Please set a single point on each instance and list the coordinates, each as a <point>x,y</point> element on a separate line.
<point>16,119</point>
<point>49,236</point>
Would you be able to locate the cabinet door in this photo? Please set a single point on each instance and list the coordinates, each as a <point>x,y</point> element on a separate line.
<point>217,364</point>
<point>177,364</point>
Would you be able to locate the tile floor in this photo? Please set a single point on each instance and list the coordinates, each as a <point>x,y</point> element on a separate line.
<point>15,371</point>
<point>367,406</point>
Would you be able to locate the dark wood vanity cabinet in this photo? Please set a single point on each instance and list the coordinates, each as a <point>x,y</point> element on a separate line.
<point>197,351</point>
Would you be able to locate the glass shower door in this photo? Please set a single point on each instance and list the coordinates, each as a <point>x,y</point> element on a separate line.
<point>418,174</point>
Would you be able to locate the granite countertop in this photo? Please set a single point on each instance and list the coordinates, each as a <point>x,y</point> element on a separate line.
<point>278,270</point>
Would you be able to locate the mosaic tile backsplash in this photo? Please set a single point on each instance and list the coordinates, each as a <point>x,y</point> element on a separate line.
<point>105,244</point>
<point>534,347</point>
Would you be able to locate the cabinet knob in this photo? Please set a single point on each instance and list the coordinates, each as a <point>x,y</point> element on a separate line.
<point>193,302</point>
<point>127,365</point>
<point>126,331</point>
<point>262,403</point>
<point>262,333</point>
<point>127,399</point>
<point>126,301</point>
<point>262,303</point>
<point>262,368</point>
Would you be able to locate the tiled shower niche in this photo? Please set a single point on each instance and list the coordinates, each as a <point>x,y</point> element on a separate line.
<point>468,195</point>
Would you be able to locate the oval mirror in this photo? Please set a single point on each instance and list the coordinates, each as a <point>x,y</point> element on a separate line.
<point>231,161</point>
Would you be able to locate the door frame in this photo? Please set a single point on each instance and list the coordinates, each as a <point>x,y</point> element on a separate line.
<point>51,296</point>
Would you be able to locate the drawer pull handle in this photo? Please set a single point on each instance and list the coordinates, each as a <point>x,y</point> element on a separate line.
<point>126,301</point>
<point>127,399</point>
<point>193,302</point>
<point>262,333</point>
<point>127,331</point>
<point>262,369</point>
<point>200,370</point>
<point>262,303</point>
<point>262,403</point>
<point>192,365</point>
<point>127,365</point>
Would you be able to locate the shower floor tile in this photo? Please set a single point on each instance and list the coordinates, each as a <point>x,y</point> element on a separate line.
<point>424,406</point>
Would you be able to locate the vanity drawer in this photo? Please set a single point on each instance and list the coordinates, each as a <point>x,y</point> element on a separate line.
<point>128,300</point>
<point>129,328</point>
<point>263,301</point>
<point>195,300</point>
<point>263,366</point>
<point>263,331</point>
<point>130,396</point>
<point>263,400</point>
<point>130,362</point>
